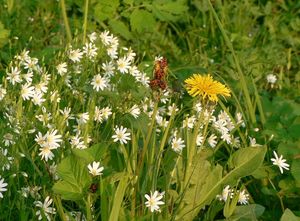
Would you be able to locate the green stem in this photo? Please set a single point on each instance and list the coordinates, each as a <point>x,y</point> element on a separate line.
<point>66,22</point>
<point>149,134</point>
<point>86,10</point>
<point>237,64</point>
<point>59,207</point>
<point>88,208</point>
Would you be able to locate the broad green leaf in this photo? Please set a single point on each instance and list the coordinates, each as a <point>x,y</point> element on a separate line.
<point>288,215</point>
<point>67,190</point>
<point>247,213</point>
<point>74,171</point>
<point>120,28</point>
<point>142,20</point>
<point>105,9</point>
<point>169,11</point>
<point>245,162</point>
<point>4,34</point>
<point>94,153</point>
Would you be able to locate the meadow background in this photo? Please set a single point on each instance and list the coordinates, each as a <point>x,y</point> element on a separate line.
<point>251,46</point>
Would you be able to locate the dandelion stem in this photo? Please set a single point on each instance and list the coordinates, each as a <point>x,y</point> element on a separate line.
<point>86,10</point>
<point>66,22</point>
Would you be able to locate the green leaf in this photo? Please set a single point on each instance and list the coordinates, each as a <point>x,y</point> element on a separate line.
<point>120,28</point>
<point>74,173</point>
<point>106,9</point>
<point>4,34</point>
<point>142,20</point>
<point>67,190</point>
<point>247,213</point>
<point>288,215</point>
<point>118,199</point>
<point>295,169</point>
<point>245,162</point>
<point>94,153</point>
<point>169,11</point>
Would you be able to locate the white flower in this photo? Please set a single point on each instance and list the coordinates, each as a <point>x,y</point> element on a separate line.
<point>243,197</point>
<point>154,201</point>
<point>27,91</point>
<point>62,68</point>
<point>95,169</point>
<point>77,142</point>
<point>8,139</point>
<point>66,114</point>
<point>46,153</point>
<point>227,138</point>
<point>14,76</point>
<point>108,68</point>
<point>31,64</point>
<point>198,107</point>
<point>189,122</point>
<point>98,115</point>
<point>212,140</point>
<point>2,187</point>
<point>177,144</point>
<point>92,36</point>
<point>220,125</point>
<point>106,112</point>
<point>99,82</point>
<point>83,118</point>
<point>45,208</point>
<point>52,139</point>
<point>28,76</point>
<point>271,78</point>
<point>253,142</point>
<point>227,192</point>
<point>123,65</point>
<point>38,99</point>
<point>41,88</point>
<point>2,92</point>
<point>90,50</point>
<point>75,55</point>
<point>106,38</point>
<point>135,111</point>
<point>121,135</point>
<point>172,108</point>
<point>199,139</point>
<point>280,162</point>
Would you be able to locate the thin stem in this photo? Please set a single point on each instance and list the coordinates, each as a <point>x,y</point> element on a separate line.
<point>59,207</point>
<point>88,208</point>
<point>145,147</point>
<point>86,10</point>
<point>237,64</point>
<point>66,22</point>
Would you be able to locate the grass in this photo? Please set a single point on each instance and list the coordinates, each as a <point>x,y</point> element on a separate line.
<point>170,146</point>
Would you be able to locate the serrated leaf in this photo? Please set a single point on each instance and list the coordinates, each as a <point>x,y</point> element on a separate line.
<point>169,11</point>
<point>142,20</point>
<point>105,9</point>
<point>120,28</point>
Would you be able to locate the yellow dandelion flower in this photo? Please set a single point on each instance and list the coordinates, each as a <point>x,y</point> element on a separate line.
<point>206,87</point>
